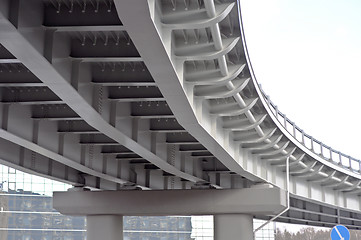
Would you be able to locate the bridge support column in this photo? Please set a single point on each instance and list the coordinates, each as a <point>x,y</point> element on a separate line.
<point>233,227</point>
<point>233,208</point>
<point>104,227</point>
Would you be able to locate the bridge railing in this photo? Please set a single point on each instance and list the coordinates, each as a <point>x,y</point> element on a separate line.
<point>316,146</point>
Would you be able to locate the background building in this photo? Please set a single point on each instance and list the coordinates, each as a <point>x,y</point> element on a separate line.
<point>202,229</point>
<point>26,213</point>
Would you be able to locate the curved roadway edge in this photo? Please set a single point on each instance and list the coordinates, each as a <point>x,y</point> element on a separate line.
<point>279,125</point>
<point>137,17</point>
<point>284,131</point>
<point>24,51</point>
<point>142,18</point>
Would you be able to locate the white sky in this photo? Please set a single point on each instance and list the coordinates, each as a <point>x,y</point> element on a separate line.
<point>307,56</point>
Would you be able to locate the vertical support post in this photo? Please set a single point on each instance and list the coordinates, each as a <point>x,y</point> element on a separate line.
<point>233,227</point>
<point>105,227</point>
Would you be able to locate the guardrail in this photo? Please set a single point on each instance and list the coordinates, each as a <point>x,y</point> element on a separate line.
<point>316,146</point>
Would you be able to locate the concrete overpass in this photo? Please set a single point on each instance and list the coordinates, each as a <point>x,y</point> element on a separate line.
<point>158,95</point>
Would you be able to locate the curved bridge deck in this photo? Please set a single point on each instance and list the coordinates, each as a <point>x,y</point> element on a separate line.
<point>155,94</point>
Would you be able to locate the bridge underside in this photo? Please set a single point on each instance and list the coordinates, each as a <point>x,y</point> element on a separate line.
<point>312,213</point>
<point>154,95</point>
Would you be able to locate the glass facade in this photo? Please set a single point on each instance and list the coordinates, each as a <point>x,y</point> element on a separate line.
<point>266,233</point>
<point>26,213</point>
<point>202,229</point>
<point>29,216</point>
<point>11,180</point>
<point>157,228</point>
<point>26,210</point>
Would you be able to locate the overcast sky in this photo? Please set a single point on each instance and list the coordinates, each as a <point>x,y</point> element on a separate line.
<point>307,56</point>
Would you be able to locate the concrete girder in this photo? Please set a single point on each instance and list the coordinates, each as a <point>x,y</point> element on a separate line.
<point>174,202</point>
<point>105,206</point>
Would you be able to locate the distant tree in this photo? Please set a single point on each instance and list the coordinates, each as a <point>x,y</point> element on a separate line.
<point>304,234</point>
<point>323,235</point>
<point>311,234</point>
<point>287,235</point>
<point>279,235</point>
<point>283,235</point>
